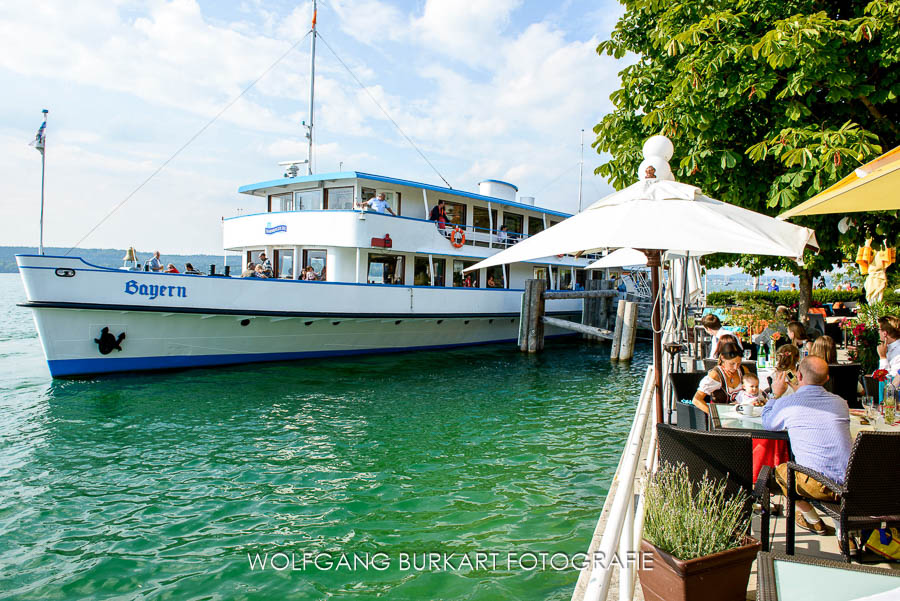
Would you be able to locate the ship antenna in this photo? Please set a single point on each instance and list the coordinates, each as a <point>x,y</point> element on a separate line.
<point>312,91</point>
<point>581,170</point>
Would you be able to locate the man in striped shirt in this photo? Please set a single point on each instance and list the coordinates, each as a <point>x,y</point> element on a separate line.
<point>818,425</point>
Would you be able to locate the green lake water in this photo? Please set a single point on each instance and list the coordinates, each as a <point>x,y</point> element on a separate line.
<point>159,486</point>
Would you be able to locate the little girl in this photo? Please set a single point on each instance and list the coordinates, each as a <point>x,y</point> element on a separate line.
<point>750,392</point>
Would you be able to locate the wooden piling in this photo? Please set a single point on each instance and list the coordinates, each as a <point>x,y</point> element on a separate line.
<point>617,332</point>
<point>605,305</point>
<point>531,323</point>
<point>629,330</point>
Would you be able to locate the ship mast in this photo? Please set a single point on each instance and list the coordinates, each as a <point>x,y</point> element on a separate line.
<point>312,91</point>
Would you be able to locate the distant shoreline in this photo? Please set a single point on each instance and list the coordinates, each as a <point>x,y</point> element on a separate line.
<point>112,257</point>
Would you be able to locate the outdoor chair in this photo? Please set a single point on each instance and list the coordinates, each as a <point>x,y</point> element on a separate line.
<point>724,456</point>
<point>684,386</point>
<point>869,497</point>
<point>845,382</point>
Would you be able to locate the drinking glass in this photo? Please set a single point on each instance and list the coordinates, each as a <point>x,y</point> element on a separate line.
<point>868,403</point>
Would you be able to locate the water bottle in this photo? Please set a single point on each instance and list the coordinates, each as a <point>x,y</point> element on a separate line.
<point>770,359</point>
<point>889,405</point>
<point>761,356</point>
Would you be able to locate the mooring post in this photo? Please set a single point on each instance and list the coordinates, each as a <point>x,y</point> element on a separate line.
<point>536,317</point>
<point>590,311</point>
<point>531,323</point>
<point>617,332</point>
<point>605,305</point>
<point>629,330</point>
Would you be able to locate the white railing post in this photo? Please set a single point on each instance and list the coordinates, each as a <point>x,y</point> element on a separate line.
<point>622,512</point>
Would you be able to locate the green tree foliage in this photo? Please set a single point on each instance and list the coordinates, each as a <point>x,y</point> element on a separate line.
<point>768,102</point>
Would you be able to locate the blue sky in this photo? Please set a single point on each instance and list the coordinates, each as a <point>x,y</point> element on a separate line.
<point>496,89</point>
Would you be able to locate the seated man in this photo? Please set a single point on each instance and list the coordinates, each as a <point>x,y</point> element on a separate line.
<point>818,426</point>
<point>155,264</point>
<point>250,272</point>
<point>889,349</point>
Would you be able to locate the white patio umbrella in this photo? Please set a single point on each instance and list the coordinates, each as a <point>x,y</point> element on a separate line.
<point>623,257</point>
<point>657,214</point>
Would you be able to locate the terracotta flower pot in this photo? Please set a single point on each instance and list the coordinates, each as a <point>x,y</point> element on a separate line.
<point>719,577</point>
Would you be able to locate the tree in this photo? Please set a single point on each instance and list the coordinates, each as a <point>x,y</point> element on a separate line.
<point>768,102</point>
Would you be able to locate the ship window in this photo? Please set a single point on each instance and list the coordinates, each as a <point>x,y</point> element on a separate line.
<point>392,198</point>
<point>459,278</point>
<point>513,222</point>
<point>456,212</point>
<point>284,263</point>
<point>307,200</point>
<point>253,256</point>
<point>422,272</point>
<point>580,279</point>
<point>535,225</point>
<point>541,273</point>
<point>483,224</point>
<point>316,260</point>
<point>385,269</point>
<point>282,202</point>
<point>497,273</point>
<point>339,199</point>
<point>564,278</point>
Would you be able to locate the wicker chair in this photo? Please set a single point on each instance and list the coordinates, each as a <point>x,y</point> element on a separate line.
<point>685,386</point>
<point>870,495</point>
<point>845,381</point>
<point>724,456</point>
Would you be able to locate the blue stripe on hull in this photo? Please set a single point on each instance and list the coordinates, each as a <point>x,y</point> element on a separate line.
<point>101,365</point>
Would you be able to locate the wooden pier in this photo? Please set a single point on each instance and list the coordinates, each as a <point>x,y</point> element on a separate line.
<point>596,317</point>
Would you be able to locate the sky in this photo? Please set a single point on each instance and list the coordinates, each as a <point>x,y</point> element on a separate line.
<point>487,90</point>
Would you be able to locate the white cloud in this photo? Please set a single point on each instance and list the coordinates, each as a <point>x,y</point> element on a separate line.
<point>484,95</point>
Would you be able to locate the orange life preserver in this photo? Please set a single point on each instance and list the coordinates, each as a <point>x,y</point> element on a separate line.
<point>462,237</point>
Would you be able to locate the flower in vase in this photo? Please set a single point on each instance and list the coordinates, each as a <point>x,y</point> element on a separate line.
<point>880,375</point>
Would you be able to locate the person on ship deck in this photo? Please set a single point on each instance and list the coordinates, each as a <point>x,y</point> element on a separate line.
<point>250,272</point>
<point>266,265</point>
<point>379,204</point>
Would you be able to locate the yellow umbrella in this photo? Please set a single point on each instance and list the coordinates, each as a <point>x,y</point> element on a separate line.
<point>873,187</point>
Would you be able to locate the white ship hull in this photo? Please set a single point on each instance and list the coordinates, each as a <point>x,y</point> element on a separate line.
<point>176,321</point>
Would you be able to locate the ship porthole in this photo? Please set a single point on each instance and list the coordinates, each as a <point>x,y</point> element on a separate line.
<point>245,322</point>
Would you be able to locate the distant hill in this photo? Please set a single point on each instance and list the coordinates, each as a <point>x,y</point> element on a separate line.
<point>112,257</point>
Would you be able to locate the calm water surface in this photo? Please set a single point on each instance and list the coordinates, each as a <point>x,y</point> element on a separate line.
<point>159,486</point>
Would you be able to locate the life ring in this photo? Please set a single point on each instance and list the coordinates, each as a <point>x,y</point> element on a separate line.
<point>462,237</point>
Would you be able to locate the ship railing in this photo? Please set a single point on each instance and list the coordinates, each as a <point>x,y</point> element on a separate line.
<point>615,548</point>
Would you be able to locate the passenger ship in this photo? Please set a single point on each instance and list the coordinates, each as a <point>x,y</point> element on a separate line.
<point>386,282</point>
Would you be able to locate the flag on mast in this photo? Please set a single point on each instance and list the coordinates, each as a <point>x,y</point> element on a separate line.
<point>38,141</point>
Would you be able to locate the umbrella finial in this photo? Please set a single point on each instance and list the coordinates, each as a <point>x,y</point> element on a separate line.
<point>657,151</point>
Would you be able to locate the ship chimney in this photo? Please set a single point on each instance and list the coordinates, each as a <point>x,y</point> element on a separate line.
<point>497,189</point>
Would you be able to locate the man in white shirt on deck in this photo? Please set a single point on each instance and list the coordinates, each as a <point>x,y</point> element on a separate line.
<point>379,204</point>
<point>889,349</point>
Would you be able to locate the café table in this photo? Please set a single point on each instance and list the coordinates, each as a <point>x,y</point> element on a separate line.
<point>783,577</point>
<point>773,448</point>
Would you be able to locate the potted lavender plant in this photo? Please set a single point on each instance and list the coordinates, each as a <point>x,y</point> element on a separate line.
<point>698,539</point>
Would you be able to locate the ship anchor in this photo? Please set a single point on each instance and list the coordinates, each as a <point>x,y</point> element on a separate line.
<point>107,342</point>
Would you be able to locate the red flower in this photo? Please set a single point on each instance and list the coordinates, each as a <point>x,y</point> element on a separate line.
<point>880,375</point>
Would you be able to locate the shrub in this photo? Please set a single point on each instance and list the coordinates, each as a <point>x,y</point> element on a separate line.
<point>789,298</point>
<point>690,521</point>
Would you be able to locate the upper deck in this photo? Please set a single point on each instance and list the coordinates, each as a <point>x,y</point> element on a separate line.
<point>324,209</point>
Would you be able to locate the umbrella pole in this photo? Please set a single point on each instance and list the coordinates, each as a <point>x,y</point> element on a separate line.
<point>654,263</point>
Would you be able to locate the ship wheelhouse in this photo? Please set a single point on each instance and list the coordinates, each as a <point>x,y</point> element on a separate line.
<point>317,221</point>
